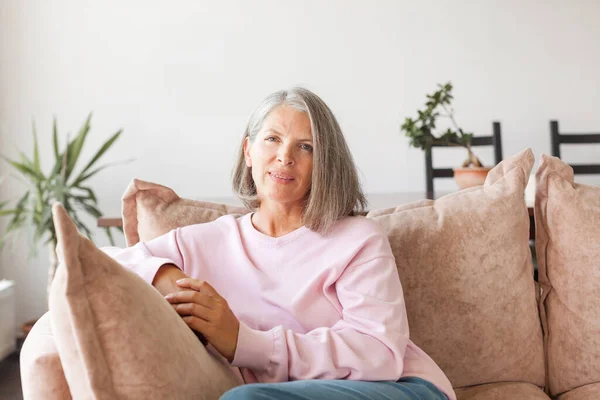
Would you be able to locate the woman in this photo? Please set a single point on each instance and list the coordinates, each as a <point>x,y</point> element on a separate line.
<point>302,295</point>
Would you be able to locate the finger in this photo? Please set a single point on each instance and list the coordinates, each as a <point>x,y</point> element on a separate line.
<point>190,283</point>
<point>192,309</point>
<point>196,284</point>
<point>202,286</point>
<point>190,296</point>
<point>196,324</point>
<point>207,286</point>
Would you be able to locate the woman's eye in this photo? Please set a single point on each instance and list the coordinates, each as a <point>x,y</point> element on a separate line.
<point>306,147</point>
<point>270,139</point>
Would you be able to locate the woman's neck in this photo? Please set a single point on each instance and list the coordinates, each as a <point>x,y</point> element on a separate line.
<point>277,222</point>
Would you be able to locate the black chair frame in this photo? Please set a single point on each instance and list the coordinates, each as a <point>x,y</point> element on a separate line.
<point>558,138</point>
<point>431,173</point>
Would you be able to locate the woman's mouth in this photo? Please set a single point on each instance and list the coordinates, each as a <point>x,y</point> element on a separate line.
<point>280,177</point>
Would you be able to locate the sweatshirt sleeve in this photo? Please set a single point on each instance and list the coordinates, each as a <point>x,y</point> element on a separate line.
<point>145,259</point>
<point>367,343</point>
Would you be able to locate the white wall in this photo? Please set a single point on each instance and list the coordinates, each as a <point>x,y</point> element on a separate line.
<point>181,78</point>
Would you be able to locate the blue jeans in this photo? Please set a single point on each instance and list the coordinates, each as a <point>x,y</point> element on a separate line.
<point>408,388</point>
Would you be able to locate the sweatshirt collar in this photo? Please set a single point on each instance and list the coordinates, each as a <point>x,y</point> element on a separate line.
<point>251,231</point>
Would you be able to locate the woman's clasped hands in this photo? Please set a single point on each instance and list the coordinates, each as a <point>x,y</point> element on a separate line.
<point>205,311</point>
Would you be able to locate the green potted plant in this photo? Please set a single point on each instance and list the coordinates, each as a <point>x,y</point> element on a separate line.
<point>34,208</point>
<point>422,135</point>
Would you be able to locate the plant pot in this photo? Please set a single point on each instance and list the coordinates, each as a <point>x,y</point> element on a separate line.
<point>470,176</point>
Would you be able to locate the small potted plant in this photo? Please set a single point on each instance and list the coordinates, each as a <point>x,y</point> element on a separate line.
<point>422,135</point>
<point>33,210</point>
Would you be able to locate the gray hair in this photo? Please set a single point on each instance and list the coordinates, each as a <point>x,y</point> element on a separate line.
<point>335,191</point>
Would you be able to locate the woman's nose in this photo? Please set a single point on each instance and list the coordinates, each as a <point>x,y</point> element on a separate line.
<point>285,156</point>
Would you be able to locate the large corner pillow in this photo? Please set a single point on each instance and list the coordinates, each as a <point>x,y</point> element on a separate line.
<point>467,274</point>
<point>150,210</point>
<point>567,241</point>
<point>117,337</point>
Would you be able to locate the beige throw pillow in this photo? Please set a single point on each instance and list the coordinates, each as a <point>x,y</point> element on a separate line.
<point>117,337</point>
<point>568,248</point>
<point>151,210</point>
<point>466,269</point>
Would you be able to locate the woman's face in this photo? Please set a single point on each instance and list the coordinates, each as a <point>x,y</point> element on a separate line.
<point>281,157</point>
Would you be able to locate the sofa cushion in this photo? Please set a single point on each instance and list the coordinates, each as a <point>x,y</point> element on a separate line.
<point>466,270</point>
<point>587,392</point>
<point>42,375</point>
<point>117,337</point>
<point>150,210</point>
<point>502,391</point>
<point>568,248</point>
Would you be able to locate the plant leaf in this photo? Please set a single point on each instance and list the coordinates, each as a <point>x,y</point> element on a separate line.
<point>33,210</point>
<point>55,174</point>
<point>100,152</point>
<point>36,150</point>
<point>73,214</point>
<point>18,218</point>
<point>81,179</point>
<point>44,225</point>
<point>57,156</point>
<point>74,148</point>
<point>25,160</point>
<point>111,239</point>
<point>25,170</point>
<point>92,210</point>
<point>90,193</point>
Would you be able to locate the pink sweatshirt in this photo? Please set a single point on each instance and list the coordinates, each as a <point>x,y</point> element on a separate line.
<point>310,306</point>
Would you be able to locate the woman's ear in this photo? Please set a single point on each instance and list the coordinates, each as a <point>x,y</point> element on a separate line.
<point>247,157</point>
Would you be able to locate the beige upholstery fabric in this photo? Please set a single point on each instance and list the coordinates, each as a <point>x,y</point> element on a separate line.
<point>588,392</point>
<point>465,266</point>
<point>151,210</point>
<point>116,335</point>
<point>502,391</point>
<point>568,248</point>
<point>42,376</point>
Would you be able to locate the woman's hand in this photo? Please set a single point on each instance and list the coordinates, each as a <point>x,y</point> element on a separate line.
<point>205,311</point>
<point>165,282</point>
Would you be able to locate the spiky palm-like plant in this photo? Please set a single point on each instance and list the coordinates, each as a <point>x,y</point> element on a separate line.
<point>34,209</point>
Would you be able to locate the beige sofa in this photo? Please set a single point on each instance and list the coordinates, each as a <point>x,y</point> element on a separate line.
<point>467,275</point>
